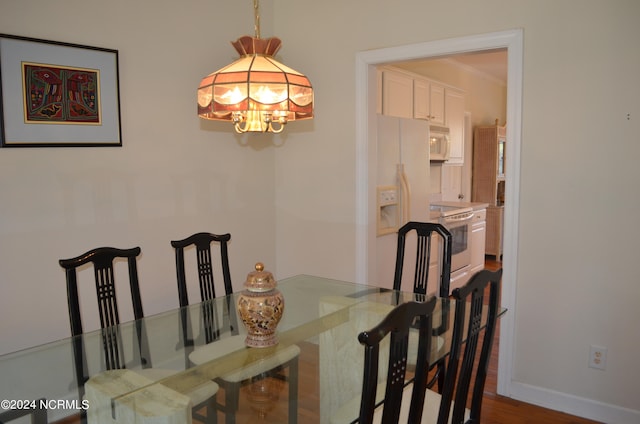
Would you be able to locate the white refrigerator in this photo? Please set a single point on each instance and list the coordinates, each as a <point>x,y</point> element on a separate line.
<point>403,162</point>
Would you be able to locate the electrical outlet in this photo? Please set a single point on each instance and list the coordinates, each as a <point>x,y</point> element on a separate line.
<point>597,357</point>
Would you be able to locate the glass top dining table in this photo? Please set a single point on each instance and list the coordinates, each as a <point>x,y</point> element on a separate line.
<point>322,317</point>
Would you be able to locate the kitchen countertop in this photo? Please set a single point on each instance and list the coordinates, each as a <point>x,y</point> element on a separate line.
<point>476,206</point>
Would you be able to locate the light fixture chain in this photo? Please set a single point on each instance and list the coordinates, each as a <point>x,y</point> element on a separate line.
<point>256,14</point>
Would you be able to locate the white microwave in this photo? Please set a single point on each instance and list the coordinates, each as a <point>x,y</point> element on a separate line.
<point>438,143</point>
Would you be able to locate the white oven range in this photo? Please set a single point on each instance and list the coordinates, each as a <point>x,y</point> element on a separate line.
<point>458,221</point>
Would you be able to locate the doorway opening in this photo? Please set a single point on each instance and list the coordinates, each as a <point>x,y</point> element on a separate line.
<point>366,63</point>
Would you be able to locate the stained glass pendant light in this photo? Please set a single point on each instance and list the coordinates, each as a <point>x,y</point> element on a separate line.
<point>256,92</point>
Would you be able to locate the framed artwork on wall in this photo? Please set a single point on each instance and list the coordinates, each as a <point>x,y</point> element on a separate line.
<point>55,94</point>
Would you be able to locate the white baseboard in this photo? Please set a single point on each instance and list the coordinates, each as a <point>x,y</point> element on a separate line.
<point>574,405</point>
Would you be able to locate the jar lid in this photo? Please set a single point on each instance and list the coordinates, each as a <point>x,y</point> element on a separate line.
<point>260,280</point>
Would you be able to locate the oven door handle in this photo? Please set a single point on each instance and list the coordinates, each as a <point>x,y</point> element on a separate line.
<point>456,219</point>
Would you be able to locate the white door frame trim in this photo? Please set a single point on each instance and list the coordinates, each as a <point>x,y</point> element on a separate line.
<point>366,61</point>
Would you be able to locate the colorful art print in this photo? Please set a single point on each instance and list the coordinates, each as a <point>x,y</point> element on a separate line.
<point>61,95</point>
<point>57,94</point>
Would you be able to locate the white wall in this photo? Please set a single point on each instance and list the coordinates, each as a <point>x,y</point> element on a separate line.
<point>576,284</point>
<point>294,204</point>
<point>175,175</point>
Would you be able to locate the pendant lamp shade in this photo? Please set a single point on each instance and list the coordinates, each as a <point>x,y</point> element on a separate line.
<point>256,92</point>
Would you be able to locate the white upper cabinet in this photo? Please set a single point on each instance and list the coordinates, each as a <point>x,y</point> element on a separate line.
<point>437,111</point>
<point>454,114</point>
<point>397,94</point>
<point>428,101</point>
<point>421,97</point>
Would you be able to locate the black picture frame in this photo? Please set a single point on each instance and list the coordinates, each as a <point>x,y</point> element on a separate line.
<point>18,124</point>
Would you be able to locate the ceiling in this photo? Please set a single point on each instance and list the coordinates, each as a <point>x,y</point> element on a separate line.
<point>492,63</point>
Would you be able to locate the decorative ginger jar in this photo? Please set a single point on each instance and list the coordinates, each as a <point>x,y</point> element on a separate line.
<point>260,306</point>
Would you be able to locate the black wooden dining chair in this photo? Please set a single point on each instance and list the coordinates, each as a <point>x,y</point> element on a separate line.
<point>426,234</point>
<point>398,324</point>
<point>37,415</point>
<point>457,385</point>
<point>103,259</point>
<point>212,328</point>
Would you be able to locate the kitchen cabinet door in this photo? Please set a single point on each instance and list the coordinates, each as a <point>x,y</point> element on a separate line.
<point>436,104</point>
<point>478,240</point>
<point>495,217</point>
<point>397,94</point>
<point>454,115</point>
<point>421,98</point>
